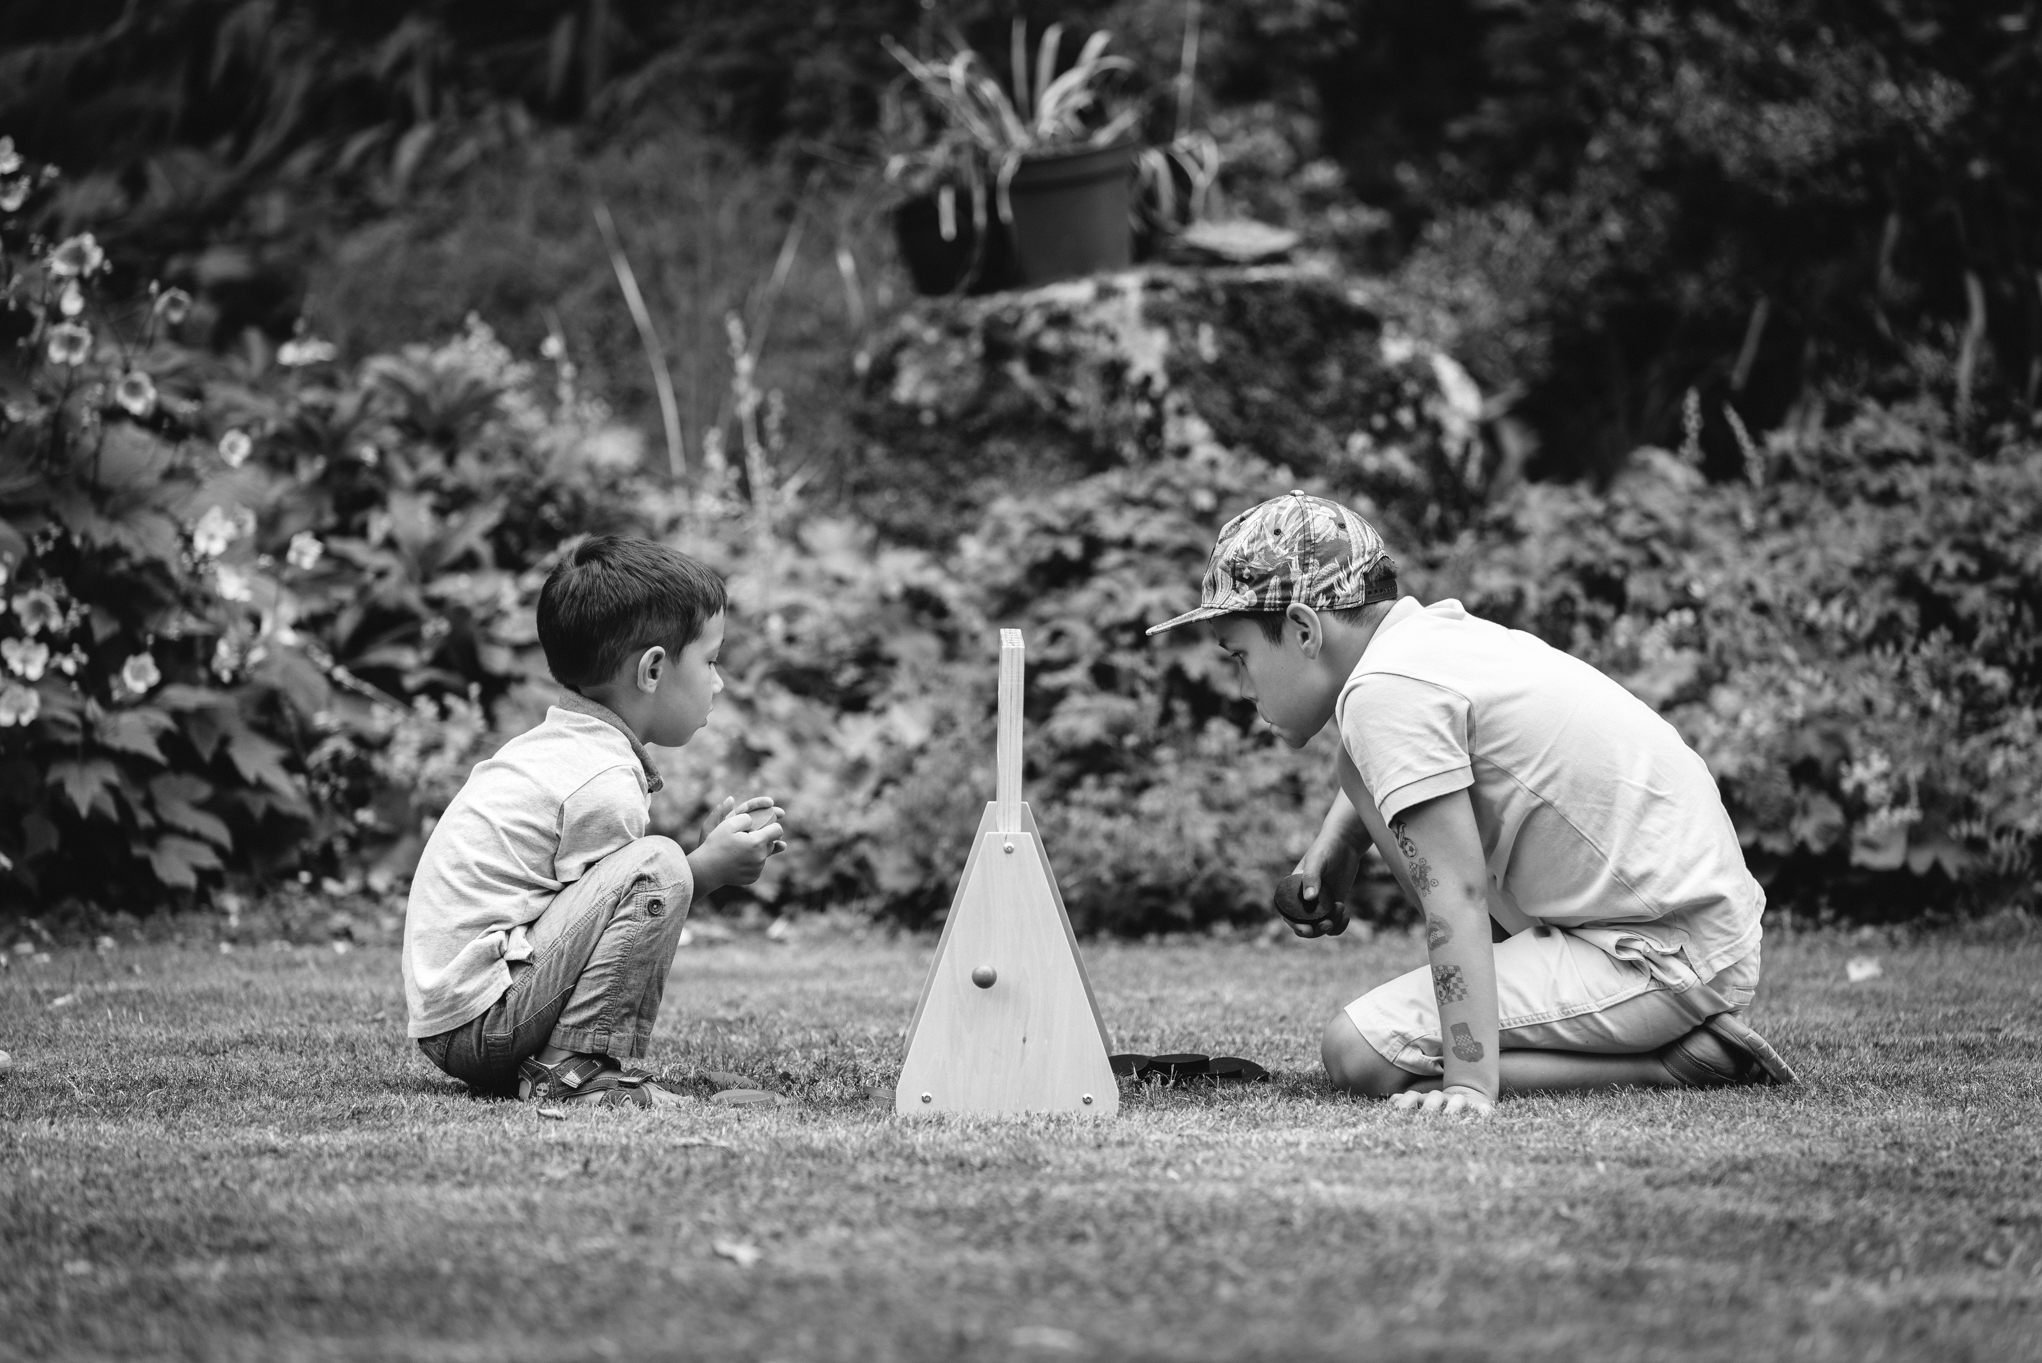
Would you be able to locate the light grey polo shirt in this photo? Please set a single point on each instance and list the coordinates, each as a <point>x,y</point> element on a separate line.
<point>1594,812</point>
<point>530,821</point>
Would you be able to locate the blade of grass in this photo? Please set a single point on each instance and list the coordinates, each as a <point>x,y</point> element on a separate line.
<point>655,353</point>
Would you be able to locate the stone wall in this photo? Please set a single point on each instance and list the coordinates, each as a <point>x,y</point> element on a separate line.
<point>1312,372</point>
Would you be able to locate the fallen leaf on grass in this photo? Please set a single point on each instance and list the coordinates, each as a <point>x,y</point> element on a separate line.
<point>727,1079</point>
<point>1048,1338</point>
<point>553,1114</point>
<point>78,1268</point>
<point>63,1001</point>
<point>737,1251</point>
<point>1861,968</point>
<point>704,1141</point>
<point>751,1098</point>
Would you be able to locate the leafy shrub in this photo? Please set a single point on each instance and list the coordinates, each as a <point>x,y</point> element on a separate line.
<point>130,772</point>
<point>1852,646</point>
<point>258,612</point>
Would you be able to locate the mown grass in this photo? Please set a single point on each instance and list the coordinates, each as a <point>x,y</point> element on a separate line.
<point>229,1157</point>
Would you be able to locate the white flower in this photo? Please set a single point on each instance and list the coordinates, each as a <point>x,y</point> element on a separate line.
<point>173,305</point>
<point>38,611</point>
<point>18,704</point>
<point>76,257</point>
<point>14,194</point>
<point>10,159</point>
<point>136,392</point>
<point>235,447</point>
<point>553,347</point>
<point>232,583</point>
<point>218,528</point>
<point>70,343</point>
<point>69,663</point>
<point>140,673</point>
<point>226,659</point>
<point>26,658</point>
<point>304,551</point>
<point>71,301</point>
<point>5,569</point>
<point>300,351</point>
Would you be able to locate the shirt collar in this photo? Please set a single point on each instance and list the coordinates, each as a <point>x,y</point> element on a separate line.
<point>1405,608</point>
<point>576,703</point>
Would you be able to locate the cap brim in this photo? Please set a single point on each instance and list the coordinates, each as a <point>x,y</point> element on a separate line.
<point>1190,617</point>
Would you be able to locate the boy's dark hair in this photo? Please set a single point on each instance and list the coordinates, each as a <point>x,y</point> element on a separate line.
<point>614,596</point>
<point>1271,622</point>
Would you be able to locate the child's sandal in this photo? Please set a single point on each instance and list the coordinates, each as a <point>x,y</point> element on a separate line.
<point>594,1080</point>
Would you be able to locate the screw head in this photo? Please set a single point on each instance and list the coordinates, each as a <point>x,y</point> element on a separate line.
<point>1008,847</point>
<point>984,976</point>
<point>928,1097</point>
<point>1088,1100</point>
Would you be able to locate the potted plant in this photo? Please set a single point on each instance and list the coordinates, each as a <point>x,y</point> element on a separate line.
<point>1053,163</point>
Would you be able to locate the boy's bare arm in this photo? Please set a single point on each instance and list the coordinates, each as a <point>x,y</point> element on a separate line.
<point>1441,851</point>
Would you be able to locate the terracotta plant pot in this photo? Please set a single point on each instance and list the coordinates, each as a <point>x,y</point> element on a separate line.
<point>1071,212</point>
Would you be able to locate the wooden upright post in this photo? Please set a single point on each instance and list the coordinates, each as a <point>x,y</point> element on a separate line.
<point>1007,1021</point>
<point>1007,772</point>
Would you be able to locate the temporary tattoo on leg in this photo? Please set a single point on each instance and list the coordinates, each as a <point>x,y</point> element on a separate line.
<point>1449,984</point>
<point>1420,868</point>
<point>1465,1045</point>
<point>1437,933</point>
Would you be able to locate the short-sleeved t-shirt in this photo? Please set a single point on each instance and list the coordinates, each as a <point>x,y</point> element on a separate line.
<point>1593,811</point>
<point>530,821</point>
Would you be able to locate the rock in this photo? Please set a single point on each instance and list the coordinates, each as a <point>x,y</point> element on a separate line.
<point>1306,369</point>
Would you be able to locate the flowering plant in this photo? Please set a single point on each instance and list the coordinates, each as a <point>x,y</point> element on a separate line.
<point>129,775</point>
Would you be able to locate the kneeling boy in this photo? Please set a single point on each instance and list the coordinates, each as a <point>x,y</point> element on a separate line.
<point>1499,778</point>
<point>543,919</point>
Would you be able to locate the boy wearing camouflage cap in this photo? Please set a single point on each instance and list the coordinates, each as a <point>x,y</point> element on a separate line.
<point>1502,780</point>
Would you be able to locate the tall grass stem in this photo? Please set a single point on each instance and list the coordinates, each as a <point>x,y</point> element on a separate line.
<point>648,337</point>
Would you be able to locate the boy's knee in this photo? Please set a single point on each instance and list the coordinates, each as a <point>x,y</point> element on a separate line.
<point>1354,1065</point>
<point>653,857</point>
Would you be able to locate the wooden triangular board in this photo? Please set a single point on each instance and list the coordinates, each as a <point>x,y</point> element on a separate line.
<point>1033,1041</point>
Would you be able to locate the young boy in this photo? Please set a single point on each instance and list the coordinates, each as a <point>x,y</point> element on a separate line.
<point>1503,779</point>
<point>543,918</point>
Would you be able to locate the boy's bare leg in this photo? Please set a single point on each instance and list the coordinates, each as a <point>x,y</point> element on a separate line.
<point>1576,1072</point>
<point>1353,1064</point>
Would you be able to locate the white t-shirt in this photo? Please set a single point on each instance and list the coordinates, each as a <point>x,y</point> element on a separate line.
<point>530,821</point>
<point>1593,811</point>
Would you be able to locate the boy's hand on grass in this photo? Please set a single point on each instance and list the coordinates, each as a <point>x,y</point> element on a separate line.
<point>1451,1101</point>
<point>737,843</point>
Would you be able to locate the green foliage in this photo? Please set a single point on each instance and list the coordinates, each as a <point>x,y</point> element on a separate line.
<point>1850,645</point>
<point>131,770</point>
<point>223,573</point>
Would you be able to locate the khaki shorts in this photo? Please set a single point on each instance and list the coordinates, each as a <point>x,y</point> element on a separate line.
<point>1610,994</point>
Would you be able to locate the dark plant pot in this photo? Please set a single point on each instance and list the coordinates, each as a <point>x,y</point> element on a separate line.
<point>961,264</point>
<point>1071,213</point>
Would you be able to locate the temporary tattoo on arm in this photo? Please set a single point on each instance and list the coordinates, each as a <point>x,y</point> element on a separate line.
<point>1437,933</point>
<point>1465,1045</point>
<point>1449,984</point>
<point>1420,868</point>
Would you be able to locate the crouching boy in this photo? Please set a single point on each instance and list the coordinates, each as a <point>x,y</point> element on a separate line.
<point>543,918</point>
<point>1501,779</point>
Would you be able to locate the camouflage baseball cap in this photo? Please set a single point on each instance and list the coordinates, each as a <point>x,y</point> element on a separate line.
<point>1297,548</point>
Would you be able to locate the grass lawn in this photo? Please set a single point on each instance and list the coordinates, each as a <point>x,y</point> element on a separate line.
<point>240,1157</point>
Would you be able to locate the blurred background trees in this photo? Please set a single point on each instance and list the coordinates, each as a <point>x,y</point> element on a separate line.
<point>1746,197</point>
<point>1798,242</point>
